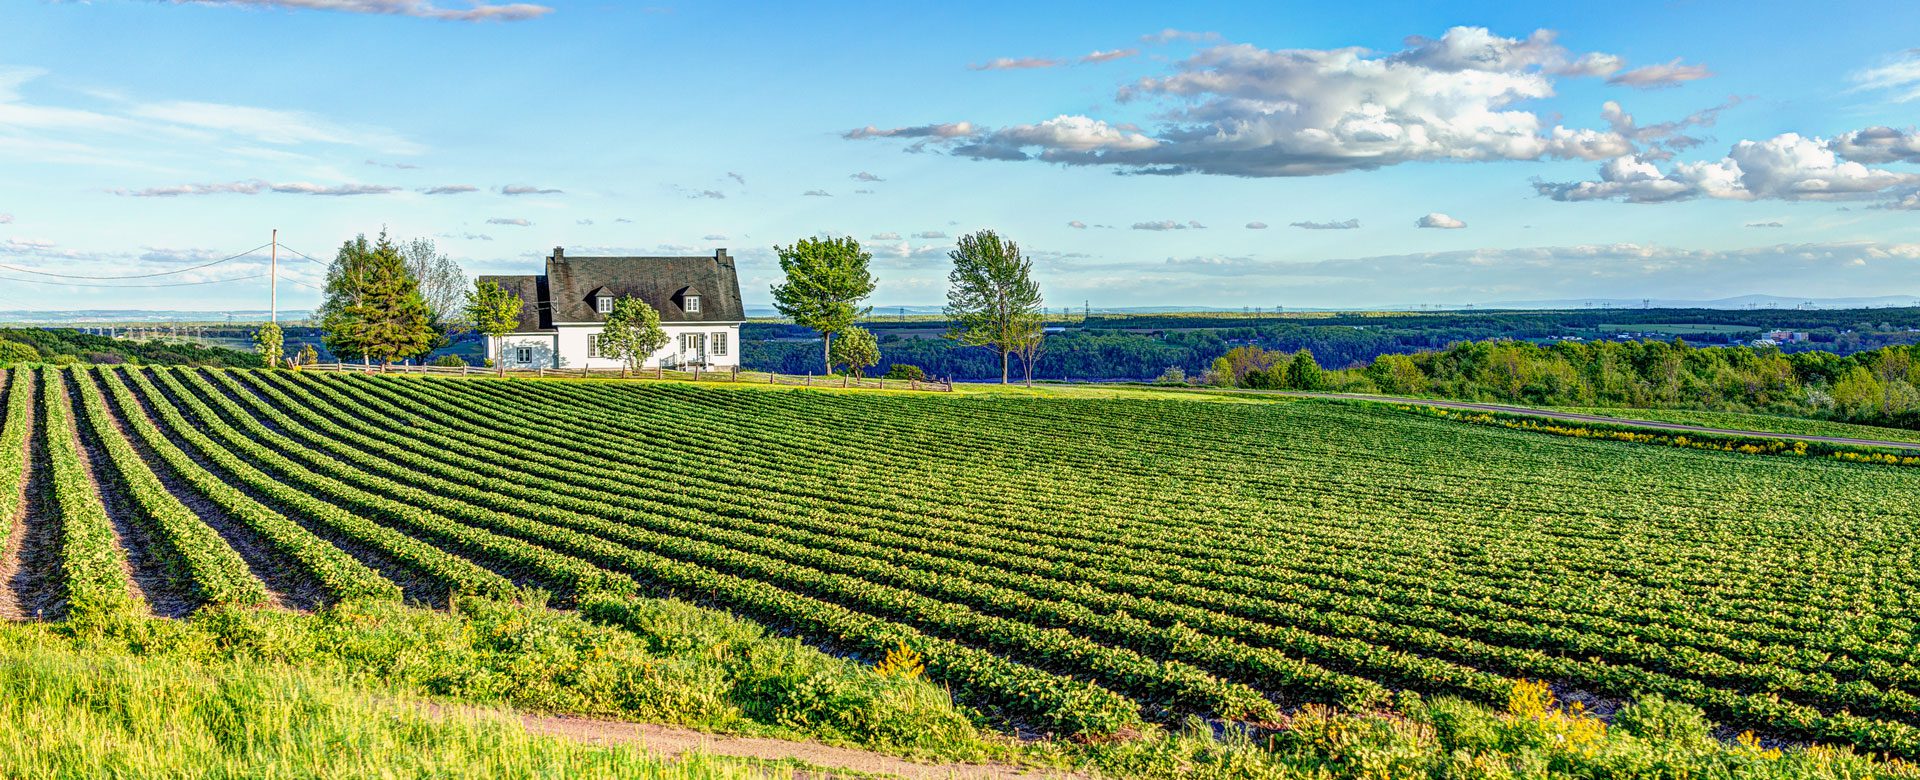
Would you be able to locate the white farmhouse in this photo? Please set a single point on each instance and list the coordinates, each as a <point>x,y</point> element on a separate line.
<point>698,299</point>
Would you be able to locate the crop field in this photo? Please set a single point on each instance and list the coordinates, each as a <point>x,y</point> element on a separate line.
<point>1072,565</point>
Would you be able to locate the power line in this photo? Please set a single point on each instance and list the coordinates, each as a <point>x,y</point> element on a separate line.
<point>135,276</point>
<point>128,286</point>
<point>302,255</point>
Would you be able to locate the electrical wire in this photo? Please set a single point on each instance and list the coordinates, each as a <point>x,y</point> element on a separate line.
<point>131,286</point>
<point>136,276</point>
<point>302,255</point>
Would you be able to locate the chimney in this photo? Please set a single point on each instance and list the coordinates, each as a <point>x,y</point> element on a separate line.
<point>720,256</point>
<point>560,254</point>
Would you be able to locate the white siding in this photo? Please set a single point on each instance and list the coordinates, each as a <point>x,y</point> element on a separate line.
<point>542,346</point>
<point>572,345</point>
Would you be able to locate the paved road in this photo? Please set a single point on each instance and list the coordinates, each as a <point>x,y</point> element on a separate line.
<point>1667,426</point>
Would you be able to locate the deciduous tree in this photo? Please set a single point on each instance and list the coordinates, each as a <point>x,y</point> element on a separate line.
<point>495,312</point>
<point>632,332</point>
<point>827,278</point>
<point>270,343</point>
<point>856,349</point>
<point>992,300</point>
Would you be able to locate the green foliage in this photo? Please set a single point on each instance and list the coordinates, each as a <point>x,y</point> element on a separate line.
<point>373,309</point>
<point>906,371</point>
<point>448,361</point>
<point>632,333</point>
<point>307,355</point>
<point>992,300</point>
<point>493,311</point>
<point>856,349</point>
<point>15,352</point>
<point>77,347</point>
<point>270,343</point>
<point>826,279</point>
<point>1305,374</point>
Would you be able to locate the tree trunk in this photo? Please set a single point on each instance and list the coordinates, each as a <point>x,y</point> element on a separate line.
<point>500,355</point>
<point>1005,358</point>
<point>826,351</point>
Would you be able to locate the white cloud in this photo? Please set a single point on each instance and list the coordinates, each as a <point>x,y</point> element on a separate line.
<point>423,9</point>
<point>864,176</point>
<point>1769,224</point>
<point>258,186</point>
<point>903,250</point>
<point>273,126</point>
<point>450,189</point>
<point>1592,64</point>
<point>527,189</point>
<point>1110,55</point>
<point>1879,145</point>
<point>1240,110</point>
<point>6,219</point>
<point>1170,35</point>
<point>709,195</point>
<point>514,221</point>
<point>930,234</point>
<point>948,130</point>
<point>1019,63</point>
<point>1169,224</point>
<point>1256,226</point>
<point>737,177</point>
<point>817,194</point>
<point>1785,167</point>
<point>1077,225</point>
<point>888,236</point>
<point>1671,74</point>
<point>1347,224</point>
<point>583,222</point>
<point>1898,75</point>
<point>1439,220</point>
<point>713,237</point>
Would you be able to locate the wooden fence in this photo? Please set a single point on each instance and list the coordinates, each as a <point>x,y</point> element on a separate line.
<point>694,375</point>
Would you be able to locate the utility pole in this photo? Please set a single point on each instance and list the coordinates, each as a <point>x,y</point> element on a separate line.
<point>273,279</point>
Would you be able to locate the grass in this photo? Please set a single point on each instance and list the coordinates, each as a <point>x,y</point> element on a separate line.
<point>75,712</point>
<point>1747,421</point>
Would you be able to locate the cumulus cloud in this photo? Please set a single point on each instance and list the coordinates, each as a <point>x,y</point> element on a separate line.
<point>1168,224</point>
<point>817,194</point>
<point>1017,63</point>
<point>450,189</point>
<point>888,236</point>
<point>864,176</point>
<point>930,234</point>
<point>1075,224</point>
<point>423,9</point>
<point>1785,167</point>
<point>1440,221</point>
<point>903,250</point>
<point>1108,56</point>
<point>709,194</point>
<point>1908,202</point>
<point>1671,74</point>
<point>1240,110</point>
<point>1879,145</point>
<point>514,221</point>
<point>258,186</point>
<point>1256,226</point>
<point>526,189</point>
<point>1593,65</point>
<point>1898,75</point>
<point>1347,224</point>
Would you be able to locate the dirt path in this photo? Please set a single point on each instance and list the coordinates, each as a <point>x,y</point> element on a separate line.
<point>676,740</point>
<point>150,576</point>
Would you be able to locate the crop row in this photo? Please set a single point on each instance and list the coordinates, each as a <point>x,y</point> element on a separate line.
<point>93,567</point>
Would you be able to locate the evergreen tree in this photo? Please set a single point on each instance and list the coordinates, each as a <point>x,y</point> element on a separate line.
<point>1305,374</point>
<point>374,309</point>
<point>340,331</point>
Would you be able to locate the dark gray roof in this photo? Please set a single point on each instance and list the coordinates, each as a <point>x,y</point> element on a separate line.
<point>535,315</point>
<point>567,291</point>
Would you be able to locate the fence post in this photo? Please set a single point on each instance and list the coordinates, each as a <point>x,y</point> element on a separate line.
<point>696,373</point>
<point>736,373</point>
<point>843,381</point>
<point>542,371</point>
<point>809,378</point>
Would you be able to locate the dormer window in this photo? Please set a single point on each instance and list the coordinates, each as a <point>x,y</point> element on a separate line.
<point>693,304</point>
<point>604,304</point>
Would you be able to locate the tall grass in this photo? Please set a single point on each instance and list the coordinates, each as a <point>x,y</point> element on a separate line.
<point>80,713</point>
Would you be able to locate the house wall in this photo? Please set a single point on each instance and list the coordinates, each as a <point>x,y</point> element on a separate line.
<point>572,345</point>
<point>545,349</point>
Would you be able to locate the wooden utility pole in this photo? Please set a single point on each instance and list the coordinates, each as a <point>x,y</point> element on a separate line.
<point>273,279</point>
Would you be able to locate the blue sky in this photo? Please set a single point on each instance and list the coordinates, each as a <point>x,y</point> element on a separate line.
<point>1135,150</point>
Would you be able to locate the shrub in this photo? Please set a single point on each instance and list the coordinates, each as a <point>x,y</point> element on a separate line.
<point>448,361</point>
<point>1660,720</point>
<point>906,371</point>
<point>63,360</point>
<point>105,358</point>
<point>1174,375</point>
<point>16,352</point>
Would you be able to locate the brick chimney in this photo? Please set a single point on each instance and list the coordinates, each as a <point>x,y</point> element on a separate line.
<point>720,256</point>
<point>560,254</point>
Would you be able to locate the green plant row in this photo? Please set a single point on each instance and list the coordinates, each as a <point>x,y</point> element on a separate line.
<point>583,535</point>
<point>431,562</point>
<point>332,568</point>
<point>14,426</point>
<point>1821,689</point>
<point>196,557</point>
<point>93,568</point>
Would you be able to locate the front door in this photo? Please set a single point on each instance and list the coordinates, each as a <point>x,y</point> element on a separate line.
<point>693,348</point>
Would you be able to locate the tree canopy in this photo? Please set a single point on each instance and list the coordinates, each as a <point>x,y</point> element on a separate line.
<point>270,343</point>
<point>826,279</point>
<point>632,332</point>
<point>856,349</point>
<point>494,311</point>
<point>373,309</point>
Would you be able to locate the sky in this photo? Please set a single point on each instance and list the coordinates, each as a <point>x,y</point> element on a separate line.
<point>1143,154</point>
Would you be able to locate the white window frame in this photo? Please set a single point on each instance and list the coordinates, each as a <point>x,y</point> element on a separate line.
<point>717,344</point>
<point>604,304</point>
<point>593,345</point>
<point>693,304</point>
<point>523,355</point>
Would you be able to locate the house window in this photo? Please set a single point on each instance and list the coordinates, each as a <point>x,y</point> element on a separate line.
<point>693,304</point>
<point>605,304</point>
<point>593,346</point>
<point>523,355</point>
<point>719,344</point>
